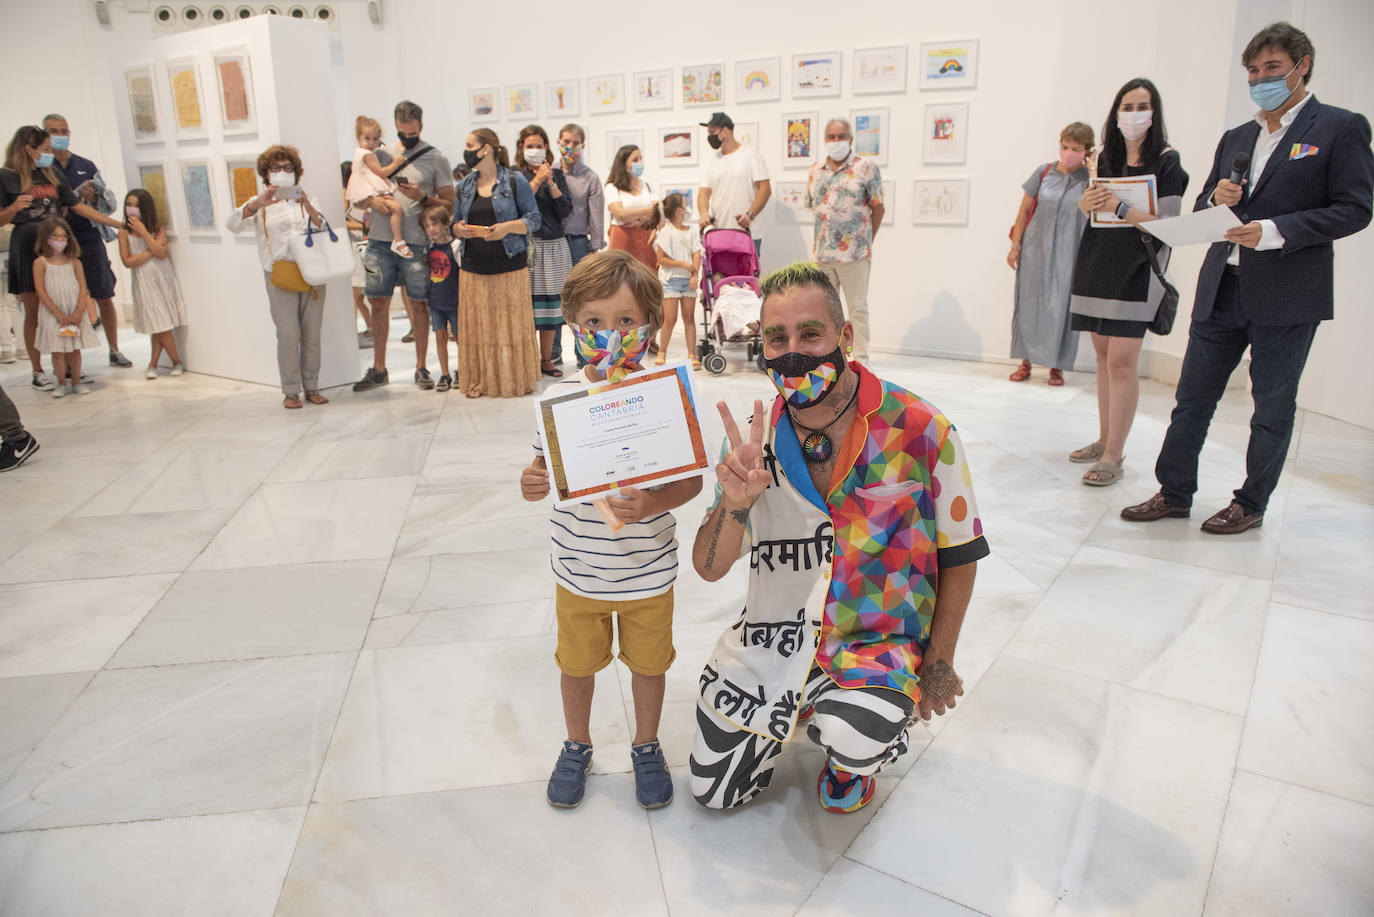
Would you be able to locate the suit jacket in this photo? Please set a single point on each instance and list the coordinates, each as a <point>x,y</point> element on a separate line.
<point>1313,200</point>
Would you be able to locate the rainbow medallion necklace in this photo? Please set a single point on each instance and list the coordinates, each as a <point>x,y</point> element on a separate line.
<point>818,447</point>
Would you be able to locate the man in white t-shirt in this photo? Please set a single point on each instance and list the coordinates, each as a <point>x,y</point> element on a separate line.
<point>736,188</point>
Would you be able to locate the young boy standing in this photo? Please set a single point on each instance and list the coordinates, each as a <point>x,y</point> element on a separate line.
<point>443,285</point>
<point>614,305</point>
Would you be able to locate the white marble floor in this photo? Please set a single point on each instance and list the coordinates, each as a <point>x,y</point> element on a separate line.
<point>260,662</point>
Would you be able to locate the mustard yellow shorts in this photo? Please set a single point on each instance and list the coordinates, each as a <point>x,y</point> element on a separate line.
<point>584,633</point>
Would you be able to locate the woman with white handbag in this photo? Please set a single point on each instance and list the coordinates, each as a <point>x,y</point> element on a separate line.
<point>283,211</point>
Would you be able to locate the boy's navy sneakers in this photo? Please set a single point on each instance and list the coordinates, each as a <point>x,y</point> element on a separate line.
<point>568,781</point>
<point>653,783</point>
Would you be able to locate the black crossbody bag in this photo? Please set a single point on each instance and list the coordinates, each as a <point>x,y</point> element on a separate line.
<point>1163,321</point>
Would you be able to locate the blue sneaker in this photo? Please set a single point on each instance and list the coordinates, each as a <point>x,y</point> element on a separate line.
<point>653,783</point>
<point>568,781</point>
<point>841,792</point>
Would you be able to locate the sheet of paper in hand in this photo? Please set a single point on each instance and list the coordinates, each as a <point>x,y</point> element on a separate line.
<point>641,432</point>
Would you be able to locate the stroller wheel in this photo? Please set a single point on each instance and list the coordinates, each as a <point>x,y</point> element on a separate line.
<point>703,348</point>
<point>761,361</point>
<point>714,363</point>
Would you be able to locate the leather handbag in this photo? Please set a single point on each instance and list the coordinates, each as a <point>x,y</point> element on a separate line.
<point>321,254</point>
<point>286,275</point>
<point>1168,305</point>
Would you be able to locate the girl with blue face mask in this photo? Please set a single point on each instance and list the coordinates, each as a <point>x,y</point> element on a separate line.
<point>32,189</point>
<point>633,205</point>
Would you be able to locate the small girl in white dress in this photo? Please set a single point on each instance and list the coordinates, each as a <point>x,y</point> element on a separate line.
<point>158,307</point>
<point>67,310</point>
<point>371,181</point>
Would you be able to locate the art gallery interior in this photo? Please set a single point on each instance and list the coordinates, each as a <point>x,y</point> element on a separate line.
<point>256,661</point>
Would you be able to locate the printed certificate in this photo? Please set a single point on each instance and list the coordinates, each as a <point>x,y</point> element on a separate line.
<point>1138,191</point>
<point>642,432</point>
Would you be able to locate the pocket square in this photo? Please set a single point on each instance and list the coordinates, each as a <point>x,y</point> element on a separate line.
<point>1301,150</point>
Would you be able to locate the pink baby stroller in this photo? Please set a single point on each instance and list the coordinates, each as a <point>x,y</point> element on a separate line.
<point>729,266</point>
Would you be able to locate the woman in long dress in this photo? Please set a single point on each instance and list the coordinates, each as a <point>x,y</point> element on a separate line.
<point>1044,246</point>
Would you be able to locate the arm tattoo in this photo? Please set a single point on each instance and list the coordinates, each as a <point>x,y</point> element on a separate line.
<point>740,515</point>
<point>715,538</point>
<point>939,683</point>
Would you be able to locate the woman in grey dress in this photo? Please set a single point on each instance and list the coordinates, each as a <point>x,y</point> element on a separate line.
<point>1044,246</point>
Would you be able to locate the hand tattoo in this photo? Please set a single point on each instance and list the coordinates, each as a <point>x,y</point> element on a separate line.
<point>939,685</point>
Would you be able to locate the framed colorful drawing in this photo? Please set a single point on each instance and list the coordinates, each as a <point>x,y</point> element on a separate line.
<point>880,70</point>
<point>816,75</point>
<point>237,106</point>
<point>946,133</point>
<point>242,176</point>
<point>522,101</point>
<point>187,108</point>
<point>197,191</point>
<point>801,135</point>
<point>482,106</point>
<point>758,80</point>
<point>870,133</point>
<point>606,94</point>
<point>703,85</point>
<point>940,202</point>
<point>138,84</point>
<point>562,98</point>
<point>949,64</point>
<point>677,146</point>
<point>791,198</point>
<point>689,196</point>
<point>152,177</point>
<point>630,136</point>
<point>653,89</point>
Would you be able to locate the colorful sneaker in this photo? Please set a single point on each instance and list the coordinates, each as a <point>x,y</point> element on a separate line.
<point>841,792</point>
<point>653,783</point>
<point>568,781</point>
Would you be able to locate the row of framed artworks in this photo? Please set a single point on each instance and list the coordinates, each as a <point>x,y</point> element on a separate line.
<point>234,98</point>
<point>941,65</point>
<point>934,202</point>
<point>801,134</point>
<point>197,181</point>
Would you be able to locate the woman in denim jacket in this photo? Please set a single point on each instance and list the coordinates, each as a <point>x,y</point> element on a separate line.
<point>493,216</point>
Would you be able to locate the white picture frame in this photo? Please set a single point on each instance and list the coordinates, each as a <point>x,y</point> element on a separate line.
<point>152,177</point>
<point>872,130</point>
<point>237,102</point>
<point>802,139</point>
<point>188,101</point>
<point>521,101</point>
<point>815,76</point>
<point>606,94</point>
<point>758,80</point>
<point>791,203</point>
<point>241,179</point>
<point>746,132</point>
<point>198,193</point>
<point>940,201</point>
<point>879,70</point>
<point>677,146</point>
<point>689,196</point>
<point>944,133</point>
<point>653,89</point>
<point>703,84</point>
<point>626,136</point>
<point>140,88</point>
<point>484,105</point>
<point>949,64</point>
<point>563,98</point>
<point>889,202</point>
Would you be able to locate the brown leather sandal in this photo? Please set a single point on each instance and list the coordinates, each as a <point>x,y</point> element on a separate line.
<point>316,398</point>
<point>291,402</point>
<point>1021,373</point>
<point>1056,377</point>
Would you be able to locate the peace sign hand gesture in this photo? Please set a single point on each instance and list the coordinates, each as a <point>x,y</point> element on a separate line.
<point>741,473</point>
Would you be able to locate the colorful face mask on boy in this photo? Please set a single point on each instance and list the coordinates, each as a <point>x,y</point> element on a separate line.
<point>615,353</point>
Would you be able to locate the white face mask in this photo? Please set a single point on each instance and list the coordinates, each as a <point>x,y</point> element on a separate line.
<point>535,157</point>
<point>1134,124</point>
<point>837,150</point>
<point>282,179</point>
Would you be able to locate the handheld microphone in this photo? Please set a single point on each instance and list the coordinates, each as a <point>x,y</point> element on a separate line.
<point>1239,167</point>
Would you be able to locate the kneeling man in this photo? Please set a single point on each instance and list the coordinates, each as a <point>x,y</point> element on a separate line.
<point>853,501</point>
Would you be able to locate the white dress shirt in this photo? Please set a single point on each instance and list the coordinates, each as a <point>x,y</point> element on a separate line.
<point>1265,145</point>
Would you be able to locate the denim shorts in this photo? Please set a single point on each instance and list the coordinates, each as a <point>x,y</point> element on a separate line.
<point>675,287</point>
<point>440,320</point>
<point>384,268</point>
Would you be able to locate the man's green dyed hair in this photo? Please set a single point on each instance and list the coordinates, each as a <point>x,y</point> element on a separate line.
<point>803,274</point>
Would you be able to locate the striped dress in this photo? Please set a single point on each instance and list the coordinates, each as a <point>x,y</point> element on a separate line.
<point>550,262</point>
<point>64,290</point>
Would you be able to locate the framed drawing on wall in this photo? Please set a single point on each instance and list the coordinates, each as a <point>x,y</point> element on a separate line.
<point>562,99</point>
<point>816,75</point>
<point>653,89</point>
<point>703,85</point>
<point>949,64</point>
<point>152,177</point>
<point>800,136</point>
<point>630,136</point>
<point>606,94</point>
<point>889,202</point>
<point>184,81</point>
<point>758,80</point>
<point>880,70</point>
<point>870,133</point>
<point>689,196</point>
<point>939,202</point>
<point>522,101</point>
<point>199,195</point>
<point>677,146</point>
<point>946,133</point>
<point>242,176</point>
<point>482,105</point>
<point>138,83</point>
<point>746,132</point>
<point>791,197</point>
<point>237,106</point>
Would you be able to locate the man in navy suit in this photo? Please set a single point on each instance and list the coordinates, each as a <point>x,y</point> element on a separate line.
<point>1310,181</point>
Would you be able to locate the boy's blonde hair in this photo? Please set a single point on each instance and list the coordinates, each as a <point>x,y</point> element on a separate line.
<point>364,123</point>
<point>601,274</point>
<point>437,212</point>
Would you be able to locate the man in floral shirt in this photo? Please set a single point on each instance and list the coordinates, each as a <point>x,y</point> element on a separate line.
<point>846,194</point>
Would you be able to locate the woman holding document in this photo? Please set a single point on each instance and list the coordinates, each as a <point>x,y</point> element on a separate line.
<point>1115,291</point>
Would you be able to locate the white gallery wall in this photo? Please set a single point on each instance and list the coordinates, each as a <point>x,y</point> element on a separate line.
<point>935,290</point>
